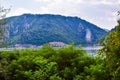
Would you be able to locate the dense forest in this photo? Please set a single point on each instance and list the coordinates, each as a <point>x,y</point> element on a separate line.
<point>38,29</point>
<point>65,63</point>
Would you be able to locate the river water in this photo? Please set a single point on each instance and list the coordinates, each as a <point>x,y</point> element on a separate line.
<point>92,49</point>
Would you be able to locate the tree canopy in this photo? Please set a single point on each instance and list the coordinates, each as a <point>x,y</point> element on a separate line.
<point>111,52</point>
<point>3,13</point>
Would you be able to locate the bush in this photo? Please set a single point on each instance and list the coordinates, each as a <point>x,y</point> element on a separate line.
<point>49,63</point>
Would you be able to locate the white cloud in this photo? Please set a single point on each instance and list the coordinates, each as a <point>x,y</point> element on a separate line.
<point>44,1</point>
<point>67,7</point>
<point>101,2</point>
<point>20,11</point>
<point>99,12</point>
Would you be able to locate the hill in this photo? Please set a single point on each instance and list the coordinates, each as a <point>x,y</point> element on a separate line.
<point>44,28</point>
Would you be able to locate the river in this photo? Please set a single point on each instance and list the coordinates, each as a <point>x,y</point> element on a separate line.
<point>92,49</point>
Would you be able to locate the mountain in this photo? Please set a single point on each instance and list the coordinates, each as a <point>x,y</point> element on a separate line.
<point>113,29</point>
<point>106,30</point>
<point>44,28</point>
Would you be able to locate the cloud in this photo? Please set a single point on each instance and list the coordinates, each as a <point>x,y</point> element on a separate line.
<point>44,1</point>
<point>66,7</point>
<point>20,11</point>
<point>101,2</point>
<point>99,12</point>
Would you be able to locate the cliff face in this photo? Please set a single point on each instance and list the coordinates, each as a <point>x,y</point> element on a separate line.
<point>40,29</point>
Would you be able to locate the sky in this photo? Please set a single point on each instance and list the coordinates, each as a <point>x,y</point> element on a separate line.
<point>102,13</point>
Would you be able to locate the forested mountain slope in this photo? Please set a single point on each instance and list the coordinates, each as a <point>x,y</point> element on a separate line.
<point>44,28</point>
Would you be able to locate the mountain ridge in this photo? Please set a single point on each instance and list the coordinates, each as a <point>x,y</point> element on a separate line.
<point>38,29</point>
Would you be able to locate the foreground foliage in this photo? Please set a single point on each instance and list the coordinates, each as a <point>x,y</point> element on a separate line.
<point>48,63</point>
<point>111,53</point>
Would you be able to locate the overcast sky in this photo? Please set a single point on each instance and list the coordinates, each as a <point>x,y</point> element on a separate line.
<point>99,12</point>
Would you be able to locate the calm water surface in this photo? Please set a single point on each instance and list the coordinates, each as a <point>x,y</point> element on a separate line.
<point>92,49</point>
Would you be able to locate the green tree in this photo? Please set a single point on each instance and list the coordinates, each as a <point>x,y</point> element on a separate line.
<point>47,63</point>
<point>3,13</point>
<point>111,52</point>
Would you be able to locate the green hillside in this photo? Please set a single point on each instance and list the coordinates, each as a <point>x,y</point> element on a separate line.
<point>40,29</point>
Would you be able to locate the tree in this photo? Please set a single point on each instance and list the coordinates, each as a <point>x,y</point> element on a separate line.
<point>3,13</point>
<point>111,52</point>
